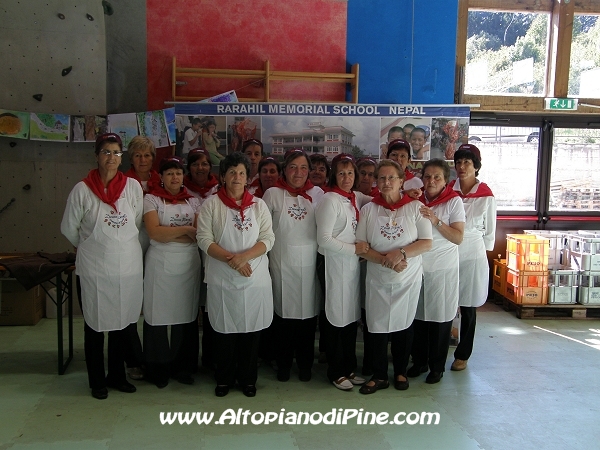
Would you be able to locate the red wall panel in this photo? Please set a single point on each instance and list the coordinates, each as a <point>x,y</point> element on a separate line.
<point>298,35</point>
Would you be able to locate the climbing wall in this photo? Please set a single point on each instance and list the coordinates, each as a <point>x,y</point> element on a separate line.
<point>56,51</point>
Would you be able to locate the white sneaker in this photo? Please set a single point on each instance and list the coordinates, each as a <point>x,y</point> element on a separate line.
<point>343,384</point>
<point>355,379</point>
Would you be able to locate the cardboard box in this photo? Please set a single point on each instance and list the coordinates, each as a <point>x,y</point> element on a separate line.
<point>21,307</point>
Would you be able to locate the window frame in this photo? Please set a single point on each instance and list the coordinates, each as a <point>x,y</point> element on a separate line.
<point>558,59</point>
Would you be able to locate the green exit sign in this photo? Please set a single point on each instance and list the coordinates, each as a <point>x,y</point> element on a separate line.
<point>563,104</point>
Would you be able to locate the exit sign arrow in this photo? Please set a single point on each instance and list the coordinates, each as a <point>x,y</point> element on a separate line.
<point>563,104</point>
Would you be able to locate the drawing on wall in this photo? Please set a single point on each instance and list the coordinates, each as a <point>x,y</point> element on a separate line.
<point>152,125</point>
<point>171,127</point>
<point>49,127</point>
<point>240,129</point>
<point>125,125</point>
<point>87,128</point>
<point>14,124</point>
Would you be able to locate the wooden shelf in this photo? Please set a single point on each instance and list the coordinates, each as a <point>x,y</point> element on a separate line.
<point>266,75</point>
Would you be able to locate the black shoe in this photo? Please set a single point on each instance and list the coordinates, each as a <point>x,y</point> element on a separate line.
<point>283,375</point>
<point>123,386</point>
<point>249,391</point>
<point>434,377</point>
<point>416,370</point>
<point>100,394</point>
<point>305,375</point>
<point>221,391</point>
<point>401,385</point>
<point>379,384</point>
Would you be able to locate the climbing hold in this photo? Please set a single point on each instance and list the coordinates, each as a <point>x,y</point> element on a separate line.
<point>61,16</point>
<point>89,17</point>
<point>108,9</point>
<point>26,187</point>
<point>67,71</point>
<point>13,144</point>
<point>38,97</point>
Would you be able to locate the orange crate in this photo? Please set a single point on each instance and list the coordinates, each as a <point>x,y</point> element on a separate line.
<point>526,252</point>
<point>527,287</point>
<point>499,276</point>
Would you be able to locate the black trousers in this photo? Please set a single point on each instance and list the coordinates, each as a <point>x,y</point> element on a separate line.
<point>431,342</point>
<point>164,358</point>
<point>401,343</point>
<point>468,321</point>
<point>236,358</point>
<point>367,344</point>
<point>134,356</point>
<point>208,341</point>
<point>341,350</point>
<point>94,356</point>
<point>295,336</point>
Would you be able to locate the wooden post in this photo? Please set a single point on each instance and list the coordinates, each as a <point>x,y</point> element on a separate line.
<point>354,85</point>
<point>461,50</point>
<point>267,80</point>
<point>559,56</point>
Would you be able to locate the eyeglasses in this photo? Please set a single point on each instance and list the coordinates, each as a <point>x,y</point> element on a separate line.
<point>384,179</point>
<point>108,153</point>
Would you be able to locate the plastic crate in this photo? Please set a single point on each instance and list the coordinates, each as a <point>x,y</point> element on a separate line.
<point>562,286</point>
<point>558,243</point>
<point>499,276</point>
<point>589,288</point>
<point>527,287</point>
<point>584,251</point>
<point>526,252</point>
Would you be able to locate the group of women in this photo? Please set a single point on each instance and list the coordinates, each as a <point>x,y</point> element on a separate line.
<point>280,243</point>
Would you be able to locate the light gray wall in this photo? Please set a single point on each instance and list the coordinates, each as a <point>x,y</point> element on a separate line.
<point>36,46</point>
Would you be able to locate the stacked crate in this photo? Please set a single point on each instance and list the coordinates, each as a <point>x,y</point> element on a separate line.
<point>499,276</point>
<point>527,268</point>
<point>562,279</point>
<point>584,255</point>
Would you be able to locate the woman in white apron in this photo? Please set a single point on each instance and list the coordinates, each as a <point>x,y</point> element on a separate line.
<point>101,220</point>
<point>201,183</point>
<point>171,278</point>
<point>397,235</point>
<point>293,263</point>
<point>479,237</point>
<point>235,231</point>
<point>438,301</point>
<point>337,215</point>
<point>141,153</point>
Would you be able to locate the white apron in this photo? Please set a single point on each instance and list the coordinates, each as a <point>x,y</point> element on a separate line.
<point>474,271</point>
<point>342,277</point>
<point>293,260</point>
<point>391,297</point>
<point>172,273</point>
<point>439,299</point>
<point>109,265</point>
<point>238,304</point>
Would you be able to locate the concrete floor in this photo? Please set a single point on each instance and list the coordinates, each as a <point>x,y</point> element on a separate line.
<point>525,388</point>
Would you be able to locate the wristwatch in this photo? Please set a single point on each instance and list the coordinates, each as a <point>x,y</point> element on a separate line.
<point>439,224</point>
<point>403,253</point>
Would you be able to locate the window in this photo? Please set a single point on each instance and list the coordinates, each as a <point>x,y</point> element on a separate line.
<point>585,57</point>
<point>575,178</point>
<point>509,159</point>
<point>506,53</point>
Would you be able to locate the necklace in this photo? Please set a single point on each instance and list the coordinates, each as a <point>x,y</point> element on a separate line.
<point>392,220</point>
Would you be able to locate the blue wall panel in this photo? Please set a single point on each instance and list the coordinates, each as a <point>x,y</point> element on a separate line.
<point>397,64</point>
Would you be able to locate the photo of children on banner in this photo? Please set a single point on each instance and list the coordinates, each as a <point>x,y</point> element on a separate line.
<point>207,132</point>
<point>402,128</point>
<point>447,134</point>
<point>241,129</point>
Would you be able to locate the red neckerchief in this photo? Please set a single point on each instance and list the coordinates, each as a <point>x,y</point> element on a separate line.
<point>258,192</point>
<point>281,183</point>
<point>202,191</point>
<point>379,200</point>
<point>443,197</point>
<point>161,192</point>
<point>408,174</point>
<point>483,190</point>
<point>374,192</point>
<point>154,179</point>
<point>349,195</point>
<point>113,190</point>
<point>231,203</point>
<point>255,182</point>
